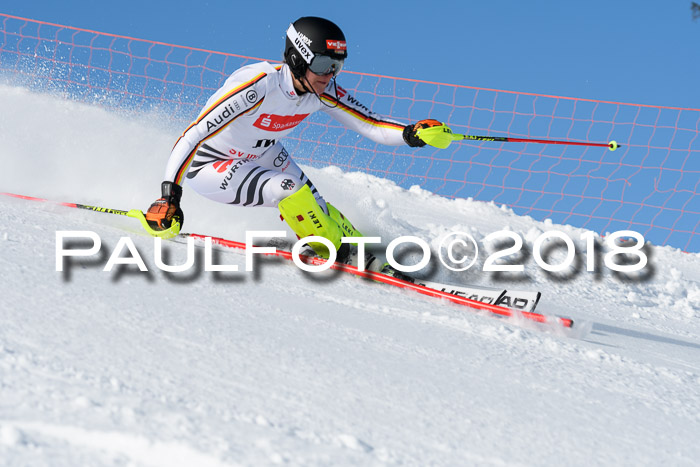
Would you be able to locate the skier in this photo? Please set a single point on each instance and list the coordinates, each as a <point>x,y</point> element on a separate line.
<point>232,153</point>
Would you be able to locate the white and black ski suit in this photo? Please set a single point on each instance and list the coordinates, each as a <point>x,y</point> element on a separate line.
<point>232,153</point>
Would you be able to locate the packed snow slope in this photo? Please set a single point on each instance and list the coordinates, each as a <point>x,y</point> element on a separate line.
<point>278,366</point>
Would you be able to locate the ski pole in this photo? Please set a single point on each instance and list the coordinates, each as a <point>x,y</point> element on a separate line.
<point>441,137</point>
<point>171,232</point>
<point>612,145</point>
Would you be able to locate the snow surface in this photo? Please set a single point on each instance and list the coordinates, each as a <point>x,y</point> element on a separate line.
<point>281,367</point>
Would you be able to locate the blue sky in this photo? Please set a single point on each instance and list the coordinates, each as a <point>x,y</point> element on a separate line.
<point>643,52</point>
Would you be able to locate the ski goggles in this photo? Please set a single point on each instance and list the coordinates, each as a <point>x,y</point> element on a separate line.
<point>324,65</point>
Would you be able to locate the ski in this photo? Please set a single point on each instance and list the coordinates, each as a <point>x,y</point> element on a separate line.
<point>523,300</point>
<point>493,299</point>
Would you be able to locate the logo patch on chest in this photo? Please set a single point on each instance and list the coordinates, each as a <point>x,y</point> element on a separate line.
<point>271,122</point>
